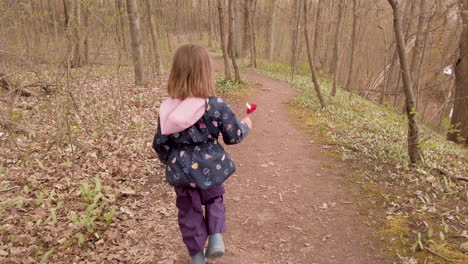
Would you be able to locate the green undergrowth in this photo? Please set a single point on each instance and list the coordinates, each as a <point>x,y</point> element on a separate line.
<point>68,164</point>
<point>423,210</point>
<point>231,88</point>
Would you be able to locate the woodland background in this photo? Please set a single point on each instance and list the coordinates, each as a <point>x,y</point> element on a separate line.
<point>68,99</point>
<point>45,32</point>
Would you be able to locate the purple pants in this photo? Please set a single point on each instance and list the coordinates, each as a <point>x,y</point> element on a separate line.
<point>194,225</point>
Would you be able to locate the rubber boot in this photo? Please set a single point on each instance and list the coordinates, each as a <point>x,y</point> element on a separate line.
<point>215,246</point>
<point>198,258</point>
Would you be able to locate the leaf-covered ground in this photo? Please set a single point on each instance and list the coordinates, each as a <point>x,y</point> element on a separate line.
<point>77,173</point>
<point>75,167</point>
<point>422,211</point>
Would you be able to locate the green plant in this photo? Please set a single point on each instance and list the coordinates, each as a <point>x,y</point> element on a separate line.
<point>224,86</point>
<point>47,255</point>
<point>88,192</point>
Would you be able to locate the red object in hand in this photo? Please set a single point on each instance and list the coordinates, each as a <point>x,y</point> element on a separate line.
<point>251,108</point>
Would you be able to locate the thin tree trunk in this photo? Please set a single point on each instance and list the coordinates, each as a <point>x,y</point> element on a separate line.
<point>418,48</point>
<point>78,47</point>
<point>350,74</point>
<point>336,55</point>
<point>409,16</point>
<point>253,47</point>
<point>154,37</point>
<point>210,27</point>
<point>54,19</point>
<point>460,108</point>
<point>420,78</point>
<point>328,54</point>
<point>118,36</point>
<point>246,38</point>
<point>407,22</point>
<point>295,36</point>
<point>270,32</point>
<point>177,30</point>
<point>237,27</point>
<point>311,59</point>
<point>66,14</point>
<point>317,27</point>
<point>227,70</point>
<point>413,142</point>
<point>160,13</point>
<point>86,36</point>
<point>135,36</point>
<point>232,41</point>
<point>123,36</point>
<point>384,74</point>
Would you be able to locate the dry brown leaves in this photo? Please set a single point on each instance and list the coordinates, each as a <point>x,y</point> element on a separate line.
<point>83,184</point>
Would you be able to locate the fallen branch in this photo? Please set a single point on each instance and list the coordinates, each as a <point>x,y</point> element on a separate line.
<point>7,85</point>
<point>438,255</point>
<point>8,189</point>
<point>445,172</point>
<point>344,145</point>
<point>48,88</point>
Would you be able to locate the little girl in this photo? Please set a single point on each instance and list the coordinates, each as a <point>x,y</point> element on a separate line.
<point>186,141</point>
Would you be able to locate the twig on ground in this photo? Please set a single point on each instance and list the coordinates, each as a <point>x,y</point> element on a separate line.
<point>459,178</point>
<point>438,255</point>
<point>9,189</point>
<point>241,247</point>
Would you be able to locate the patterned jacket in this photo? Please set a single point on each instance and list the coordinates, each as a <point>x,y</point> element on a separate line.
<point>194,156</point>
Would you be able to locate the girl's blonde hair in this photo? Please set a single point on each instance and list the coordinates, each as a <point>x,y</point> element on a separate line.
<point>191,73</point>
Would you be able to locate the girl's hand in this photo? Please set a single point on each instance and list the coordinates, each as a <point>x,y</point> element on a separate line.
<point>248,122</point>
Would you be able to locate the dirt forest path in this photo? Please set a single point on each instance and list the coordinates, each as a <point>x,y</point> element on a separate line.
<point>283,206</point>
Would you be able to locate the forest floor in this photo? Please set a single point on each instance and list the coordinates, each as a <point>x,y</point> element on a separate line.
<point>285,204</point>
<point>288,203</point>
<point>79,183</point>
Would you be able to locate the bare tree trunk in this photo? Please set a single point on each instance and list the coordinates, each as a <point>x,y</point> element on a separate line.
<point>154,38</point>
<point>336,55</point>
<point>407,22</point>
<point>66,14</point>
<point>384,74</point>
<point>135,36</point>
<point>53,12</point>
<point>177,20</point>
<point>350,74</point>
<point>227,70</point>
<point>123,36</point>
<point>246,38</point>
<point>78,47</point>
<point>210,27</point>
<point>237,27</point>
<point>418,48</point>
<point>311,59</point>
<point>253,47</point>
<point>295,35</point>
<point>460,108</point>
<point>420,78</point>
<point>317,27</point>
<point>232,41</point>
<point>413,142</point>
<point>159,12</point>
<point>270,32</point>
<point>328,53</point>
<point>86,36</point>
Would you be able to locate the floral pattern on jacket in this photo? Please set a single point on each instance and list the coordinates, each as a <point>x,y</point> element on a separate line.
<point>194,156</point>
